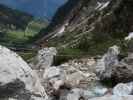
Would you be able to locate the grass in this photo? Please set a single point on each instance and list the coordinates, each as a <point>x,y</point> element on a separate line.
<point>87,46</point>
<point>20,36</point>
<point>27,55</point>
<point>66,54</point>
<point>17,38</point>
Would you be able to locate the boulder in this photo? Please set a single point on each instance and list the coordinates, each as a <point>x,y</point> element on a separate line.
<point>85,94</point>
<point>44,58</point>
<point>55,76</point>
<point>123,89</point>
<point>122,73</point>
<point>105,64</point>
<point>110,68</point>
<point>75,94</point>
<point>79,73</point>
<point>16,76</point>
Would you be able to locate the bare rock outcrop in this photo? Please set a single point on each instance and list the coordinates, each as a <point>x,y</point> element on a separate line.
<point>17,78</point>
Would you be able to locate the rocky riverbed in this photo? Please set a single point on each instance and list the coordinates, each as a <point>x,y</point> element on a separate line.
<point>77,79</point>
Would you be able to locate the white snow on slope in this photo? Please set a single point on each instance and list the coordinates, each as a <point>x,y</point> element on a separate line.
<point>61,30</point>
<point>129,37</point>
<point>102,5</point>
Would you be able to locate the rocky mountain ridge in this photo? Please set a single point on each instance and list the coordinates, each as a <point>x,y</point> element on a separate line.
<point>13,18</point>
<point>97,20</point>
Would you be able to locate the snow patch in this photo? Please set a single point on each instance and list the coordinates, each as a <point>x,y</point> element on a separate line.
<point>61,30</point>
<point>102,5</point>
<point>129,37</point>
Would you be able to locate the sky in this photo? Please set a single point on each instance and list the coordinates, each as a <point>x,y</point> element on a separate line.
<point>39,8</point>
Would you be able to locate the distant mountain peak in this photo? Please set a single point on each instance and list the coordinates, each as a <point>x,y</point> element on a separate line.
<point>38,8</point>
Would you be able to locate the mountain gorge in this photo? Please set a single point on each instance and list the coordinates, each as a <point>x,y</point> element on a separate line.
<point>17,27</point>
<point>84,53</point>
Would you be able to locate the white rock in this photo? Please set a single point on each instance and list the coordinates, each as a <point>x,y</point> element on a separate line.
<point>104,65</point>
<point>55,76</point>
<point>12,99</point>
<point>100,91</point>
<point>129,37</point>
<point>123,89</point>
<point>74,95</point>
<point>44,58</point>
<point>37,98</point>
<point>52,72</point>
<point>13,67</point>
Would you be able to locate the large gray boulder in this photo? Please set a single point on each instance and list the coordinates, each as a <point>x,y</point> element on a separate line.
<point>84,94</point>
<point>44,58</point>
<point>123,72</point>
<point>122,89</point>
<point>16,75</point>
<point>110,68</point>
<point>105,64</point>
<point>55,76</point>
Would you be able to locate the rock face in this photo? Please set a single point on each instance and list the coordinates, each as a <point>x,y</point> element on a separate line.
<point>44,58</point>
<point>55,76</point>
<point>17,77</point>
<point>73,80</point>
<point>109,67</point>
<point>80,74</point>
<point>104,66</point>
<point>99,17</point>
<point>123,72</point>
<point>123,89</point>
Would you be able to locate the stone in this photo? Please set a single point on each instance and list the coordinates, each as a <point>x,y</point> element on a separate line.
<point>85,94</point>
<point>16,75</point>
<point>104,65</point>
<point>51,72</point>
<point>80,73</point>
<point>123,89</point>
<point>122,73</point>
<point>75,94</point>
<point>54,76</point>
<point>44,58</point>
<point>100,90</point>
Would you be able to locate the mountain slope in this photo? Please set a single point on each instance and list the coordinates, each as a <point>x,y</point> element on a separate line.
<point>15,18</point>
<point>16,27</point>
<point>92,24</point>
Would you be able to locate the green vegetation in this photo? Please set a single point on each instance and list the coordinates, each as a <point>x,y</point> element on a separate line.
<point>89,44</point>
<point>20,37</point>
<point>67,54</point>
<point>28,54</point>
<point>17,28</point>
